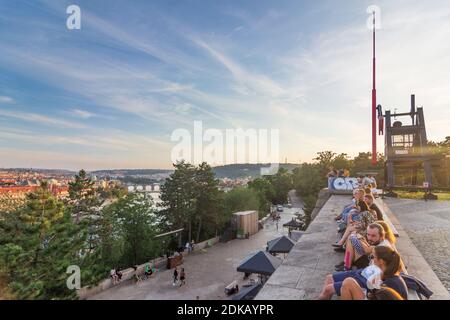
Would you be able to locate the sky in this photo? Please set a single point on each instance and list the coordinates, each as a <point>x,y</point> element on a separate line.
<point>110,94</point>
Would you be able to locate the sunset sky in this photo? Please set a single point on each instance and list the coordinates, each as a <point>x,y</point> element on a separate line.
<point>110,94</point>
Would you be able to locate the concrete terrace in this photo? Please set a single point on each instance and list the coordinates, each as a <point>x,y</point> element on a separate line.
<point>207,271</point>
<point>302,273</point>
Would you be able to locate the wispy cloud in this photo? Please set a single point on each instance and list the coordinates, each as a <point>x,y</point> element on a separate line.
<point>5,99</point>
<point>38,118</point>
<point>82,113</point>
<point>244,78</point>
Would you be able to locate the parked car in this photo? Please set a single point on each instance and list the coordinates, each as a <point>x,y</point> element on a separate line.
<point>279,208</point>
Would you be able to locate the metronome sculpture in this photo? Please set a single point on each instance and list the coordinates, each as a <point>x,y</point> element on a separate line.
<point>406,150</point>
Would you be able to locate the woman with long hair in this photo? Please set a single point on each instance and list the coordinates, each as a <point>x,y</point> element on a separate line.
<point>388,234</point>
<point>388,261</point>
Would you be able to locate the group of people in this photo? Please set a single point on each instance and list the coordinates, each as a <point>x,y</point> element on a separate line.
<point>116,275</point>
<point>181,275</point>
<point>366,181</point>
<point>148,272</point>
<point>190,246</point>
<point>371,267</point>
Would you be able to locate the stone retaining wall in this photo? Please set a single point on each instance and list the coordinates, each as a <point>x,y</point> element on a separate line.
<point>127,274</point>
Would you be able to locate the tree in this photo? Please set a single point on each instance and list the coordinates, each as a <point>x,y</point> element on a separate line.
<point>84,204</point>
<point>37,244</point>
<point>239,199</point>
<point>178,197</point>
<point>207,197</point>
<point>83,196</point>
<point>137,224</point>
<point>191,199</point>
<point>325,160</point>
<point>266,193</point>
<point>341,161</point>
<point>282,183</point>
<point>308,179</point>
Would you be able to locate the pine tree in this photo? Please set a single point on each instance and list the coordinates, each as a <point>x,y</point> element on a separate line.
<point>137,224</point>
<point>207,197</point>
<point>37,244</point>
<point>84,204</point>
<point>178,197</point>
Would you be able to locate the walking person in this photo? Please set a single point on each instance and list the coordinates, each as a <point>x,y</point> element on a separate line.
<point>188,247</point>
<point>136,277</point>
<point>175,276</point>
<point>182,277</point>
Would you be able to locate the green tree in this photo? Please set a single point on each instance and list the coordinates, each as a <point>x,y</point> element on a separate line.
<point>138,224</point>
<point>191,200</point>
<point>341,161</point>
<point>282,183</point>
<point>37,244</point>
<point>266,193</point>
<point>239,199</point>
<point>178,197</point>
<point>84,204</point>
<point>308,179</point>
<point>325,160</point>
<point>207,197</point>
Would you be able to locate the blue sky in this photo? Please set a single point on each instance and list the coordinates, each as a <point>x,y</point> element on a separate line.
<point>110,95</point>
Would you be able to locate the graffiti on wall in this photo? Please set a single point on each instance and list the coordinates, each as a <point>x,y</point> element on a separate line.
<point>344,184</point>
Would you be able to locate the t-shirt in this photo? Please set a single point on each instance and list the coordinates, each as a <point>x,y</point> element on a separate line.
<point>385,243</point>
<point>373,275</point>
<point>398,284</point>
<point>366,181</point>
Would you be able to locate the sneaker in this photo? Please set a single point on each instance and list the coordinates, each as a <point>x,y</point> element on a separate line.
<point>339,264</point>
<point>341,249</point>
<point>340,269</point>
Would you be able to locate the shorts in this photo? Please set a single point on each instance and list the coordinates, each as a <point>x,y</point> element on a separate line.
<point>339,278</point>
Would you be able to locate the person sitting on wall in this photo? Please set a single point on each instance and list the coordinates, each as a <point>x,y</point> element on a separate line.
<point>136,277</point>
<point>148,271</point>
<point>330,176</point>
<point>118,274</point>
<point>113,276</point>
<point>354,285</point>
<point>359,247</point>
<point>346,173</point>
<point>369,199</point>
<point>373,181</point>
<point>358,222</point>
<point>358,195</point>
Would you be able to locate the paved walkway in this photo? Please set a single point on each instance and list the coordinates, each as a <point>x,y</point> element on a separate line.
<point>428,225</point>
<point>208,271</point>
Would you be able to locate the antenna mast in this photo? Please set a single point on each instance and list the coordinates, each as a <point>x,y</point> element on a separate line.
<point>374,103</point>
